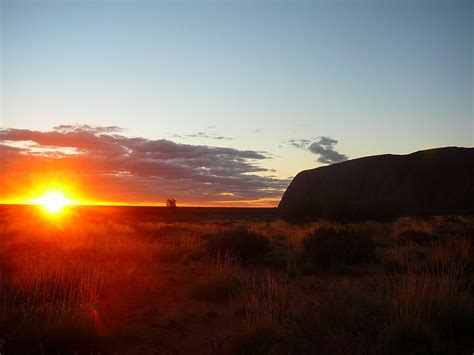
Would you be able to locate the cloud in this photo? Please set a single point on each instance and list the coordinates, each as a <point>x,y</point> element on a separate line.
<point>205,135</point>
<point>299,143</point>
<point>324,147</point>
<point>85,127</point>
<point>114,167</point>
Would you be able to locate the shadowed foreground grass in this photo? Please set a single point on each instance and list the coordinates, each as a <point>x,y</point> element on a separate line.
<point>243,286</point>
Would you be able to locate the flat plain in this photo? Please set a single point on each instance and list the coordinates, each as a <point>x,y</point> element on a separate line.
<point>129,280</point>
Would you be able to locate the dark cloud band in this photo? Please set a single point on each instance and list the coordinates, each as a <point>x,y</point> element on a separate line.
<point>136,168</point>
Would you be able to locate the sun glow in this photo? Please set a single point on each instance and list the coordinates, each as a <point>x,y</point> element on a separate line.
<point>53,202</point>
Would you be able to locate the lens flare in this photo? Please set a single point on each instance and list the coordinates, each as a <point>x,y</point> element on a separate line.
<point>53,202</point>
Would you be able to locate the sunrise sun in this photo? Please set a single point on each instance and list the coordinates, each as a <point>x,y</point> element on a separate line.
<point>53,201</point>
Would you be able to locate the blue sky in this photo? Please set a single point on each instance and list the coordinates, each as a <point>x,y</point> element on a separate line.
<point>377,76</point>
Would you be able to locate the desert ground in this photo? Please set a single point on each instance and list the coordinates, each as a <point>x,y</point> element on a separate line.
<point>131,280</point>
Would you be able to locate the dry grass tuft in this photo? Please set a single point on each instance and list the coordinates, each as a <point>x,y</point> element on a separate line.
<point>265,302</point>
<point>223,280</point>
<point>432,294</point>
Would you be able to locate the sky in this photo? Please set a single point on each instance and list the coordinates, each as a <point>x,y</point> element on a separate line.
<point>223,102</point>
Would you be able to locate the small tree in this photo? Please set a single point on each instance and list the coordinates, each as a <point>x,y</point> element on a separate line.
<point>171,203</point>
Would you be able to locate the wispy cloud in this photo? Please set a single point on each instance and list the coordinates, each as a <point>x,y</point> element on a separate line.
<point>205,135</point>
<point>299,143</point>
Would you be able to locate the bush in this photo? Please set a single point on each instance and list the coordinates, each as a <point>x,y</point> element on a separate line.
<point>341,211</point>
<point>399,258</point>
<point>239,242</point>
<point>418,237</point>
<point>329,247</point>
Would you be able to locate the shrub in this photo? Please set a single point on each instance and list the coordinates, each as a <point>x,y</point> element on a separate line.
<point>398,258</point>
<point>297,264</point>
<point>328,247</point>
<point>241,243</point>
<point>418,237</point>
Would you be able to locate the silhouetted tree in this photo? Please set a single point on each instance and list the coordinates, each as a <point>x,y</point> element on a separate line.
<point>171,203</point>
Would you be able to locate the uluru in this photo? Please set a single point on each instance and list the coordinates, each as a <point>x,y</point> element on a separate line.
<point>425,182</point>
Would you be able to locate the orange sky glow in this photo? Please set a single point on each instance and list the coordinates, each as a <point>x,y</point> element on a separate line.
<point>92,166</point>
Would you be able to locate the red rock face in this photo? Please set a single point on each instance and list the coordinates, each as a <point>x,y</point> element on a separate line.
<point>426,182</point>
